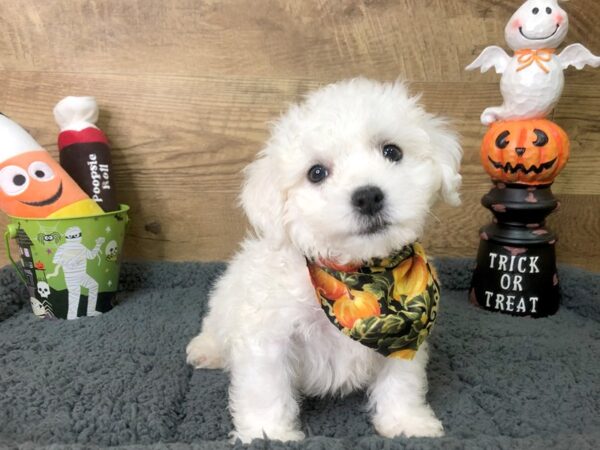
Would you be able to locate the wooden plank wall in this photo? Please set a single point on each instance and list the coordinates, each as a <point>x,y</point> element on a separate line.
<point>187,89</point>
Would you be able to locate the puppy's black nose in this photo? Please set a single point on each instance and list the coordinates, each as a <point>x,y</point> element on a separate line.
<point>368,200</point>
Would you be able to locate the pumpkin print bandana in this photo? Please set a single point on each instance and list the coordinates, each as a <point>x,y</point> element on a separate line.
<point>387,304</point>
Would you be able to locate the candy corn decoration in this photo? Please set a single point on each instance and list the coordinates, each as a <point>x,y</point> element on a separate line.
<point>84,149</point>
<point>32,183</point>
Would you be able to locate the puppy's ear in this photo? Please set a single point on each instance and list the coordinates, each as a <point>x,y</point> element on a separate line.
<point>262,199</point>
<point>447,154</point>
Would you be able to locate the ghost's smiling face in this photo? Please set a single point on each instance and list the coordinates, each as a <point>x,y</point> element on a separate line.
<point>537,24</point>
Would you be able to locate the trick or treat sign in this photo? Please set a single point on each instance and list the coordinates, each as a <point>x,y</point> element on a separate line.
<point>517,281</point>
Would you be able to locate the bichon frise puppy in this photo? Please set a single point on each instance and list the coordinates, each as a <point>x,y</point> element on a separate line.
<point>340,194</point>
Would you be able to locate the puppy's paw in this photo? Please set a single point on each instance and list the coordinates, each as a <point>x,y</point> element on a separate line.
<point>204,353</point>
<point>414,422</point>
<point>274,435</point>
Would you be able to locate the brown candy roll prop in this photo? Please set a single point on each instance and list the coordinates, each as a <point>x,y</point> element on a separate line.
<point>84,149</point>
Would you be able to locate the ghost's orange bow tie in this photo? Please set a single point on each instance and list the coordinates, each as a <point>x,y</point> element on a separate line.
<point>527,57</point>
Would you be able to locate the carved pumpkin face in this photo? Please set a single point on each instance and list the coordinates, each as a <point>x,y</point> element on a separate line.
<point>530,152</point>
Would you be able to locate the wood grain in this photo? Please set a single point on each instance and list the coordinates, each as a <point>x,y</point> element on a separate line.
<point>187,90</point>
<point>577,224</point>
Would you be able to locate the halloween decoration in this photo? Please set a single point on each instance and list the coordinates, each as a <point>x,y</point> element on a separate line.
<point>84,149</point>
<point>523,153</point>
<point>60,231</point>
<point>516,262</point>
<point>32,183</point>
<point>531,152</point>
<point>65,262</point>
<point>532,79</point>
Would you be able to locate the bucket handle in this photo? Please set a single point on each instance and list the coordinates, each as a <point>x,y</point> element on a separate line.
<point>11,232</point>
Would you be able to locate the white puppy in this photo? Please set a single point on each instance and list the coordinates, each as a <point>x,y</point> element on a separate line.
<point>356,138</point>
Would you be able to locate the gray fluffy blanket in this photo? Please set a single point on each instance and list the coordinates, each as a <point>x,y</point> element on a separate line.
<point>121,379</point>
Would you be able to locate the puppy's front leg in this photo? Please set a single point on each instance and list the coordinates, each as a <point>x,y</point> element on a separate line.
<point>397,399</point>
<point>262,399</point>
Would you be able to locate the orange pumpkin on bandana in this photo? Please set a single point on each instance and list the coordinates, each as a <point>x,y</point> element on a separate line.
<point>389,305</point>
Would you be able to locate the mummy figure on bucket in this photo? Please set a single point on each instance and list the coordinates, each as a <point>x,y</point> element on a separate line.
<point>72,256</point>
<point>532,79</point>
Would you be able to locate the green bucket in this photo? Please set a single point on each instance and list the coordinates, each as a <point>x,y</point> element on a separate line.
<point>70,265</point>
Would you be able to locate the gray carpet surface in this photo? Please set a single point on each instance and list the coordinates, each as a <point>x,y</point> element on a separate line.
<point>120,380</point>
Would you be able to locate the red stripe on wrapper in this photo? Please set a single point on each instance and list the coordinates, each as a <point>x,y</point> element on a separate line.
<point>70,137</point>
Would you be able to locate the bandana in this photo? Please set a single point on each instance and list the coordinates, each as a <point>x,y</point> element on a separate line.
<point>388,304</point>
<point>527,57</point>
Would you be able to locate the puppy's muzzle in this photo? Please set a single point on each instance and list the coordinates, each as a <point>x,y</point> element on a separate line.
<point>368,200</point>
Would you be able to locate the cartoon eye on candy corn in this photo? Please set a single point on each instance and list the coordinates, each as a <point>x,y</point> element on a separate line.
<point>32,183</point>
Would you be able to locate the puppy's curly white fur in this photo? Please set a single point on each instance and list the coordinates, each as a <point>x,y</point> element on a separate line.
<point>349,174</point>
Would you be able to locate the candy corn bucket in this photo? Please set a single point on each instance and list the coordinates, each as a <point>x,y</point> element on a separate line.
<point>69,265</point>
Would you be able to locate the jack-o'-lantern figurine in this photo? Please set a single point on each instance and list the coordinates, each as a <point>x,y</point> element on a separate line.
<point>531,152</point>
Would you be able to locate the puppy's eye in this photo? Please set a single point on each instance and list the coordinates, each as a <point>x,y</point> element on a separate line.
<point>392,152</point>
<point>317,173</point>
<point>535,10</point>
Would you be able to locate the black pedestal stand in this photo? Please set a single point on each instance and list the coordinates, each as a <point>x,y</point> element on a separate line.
<point>516,262</point>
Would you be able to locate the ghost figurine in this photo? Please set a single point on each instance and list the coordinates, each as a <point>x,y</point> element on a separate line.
<point>532,79</point>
